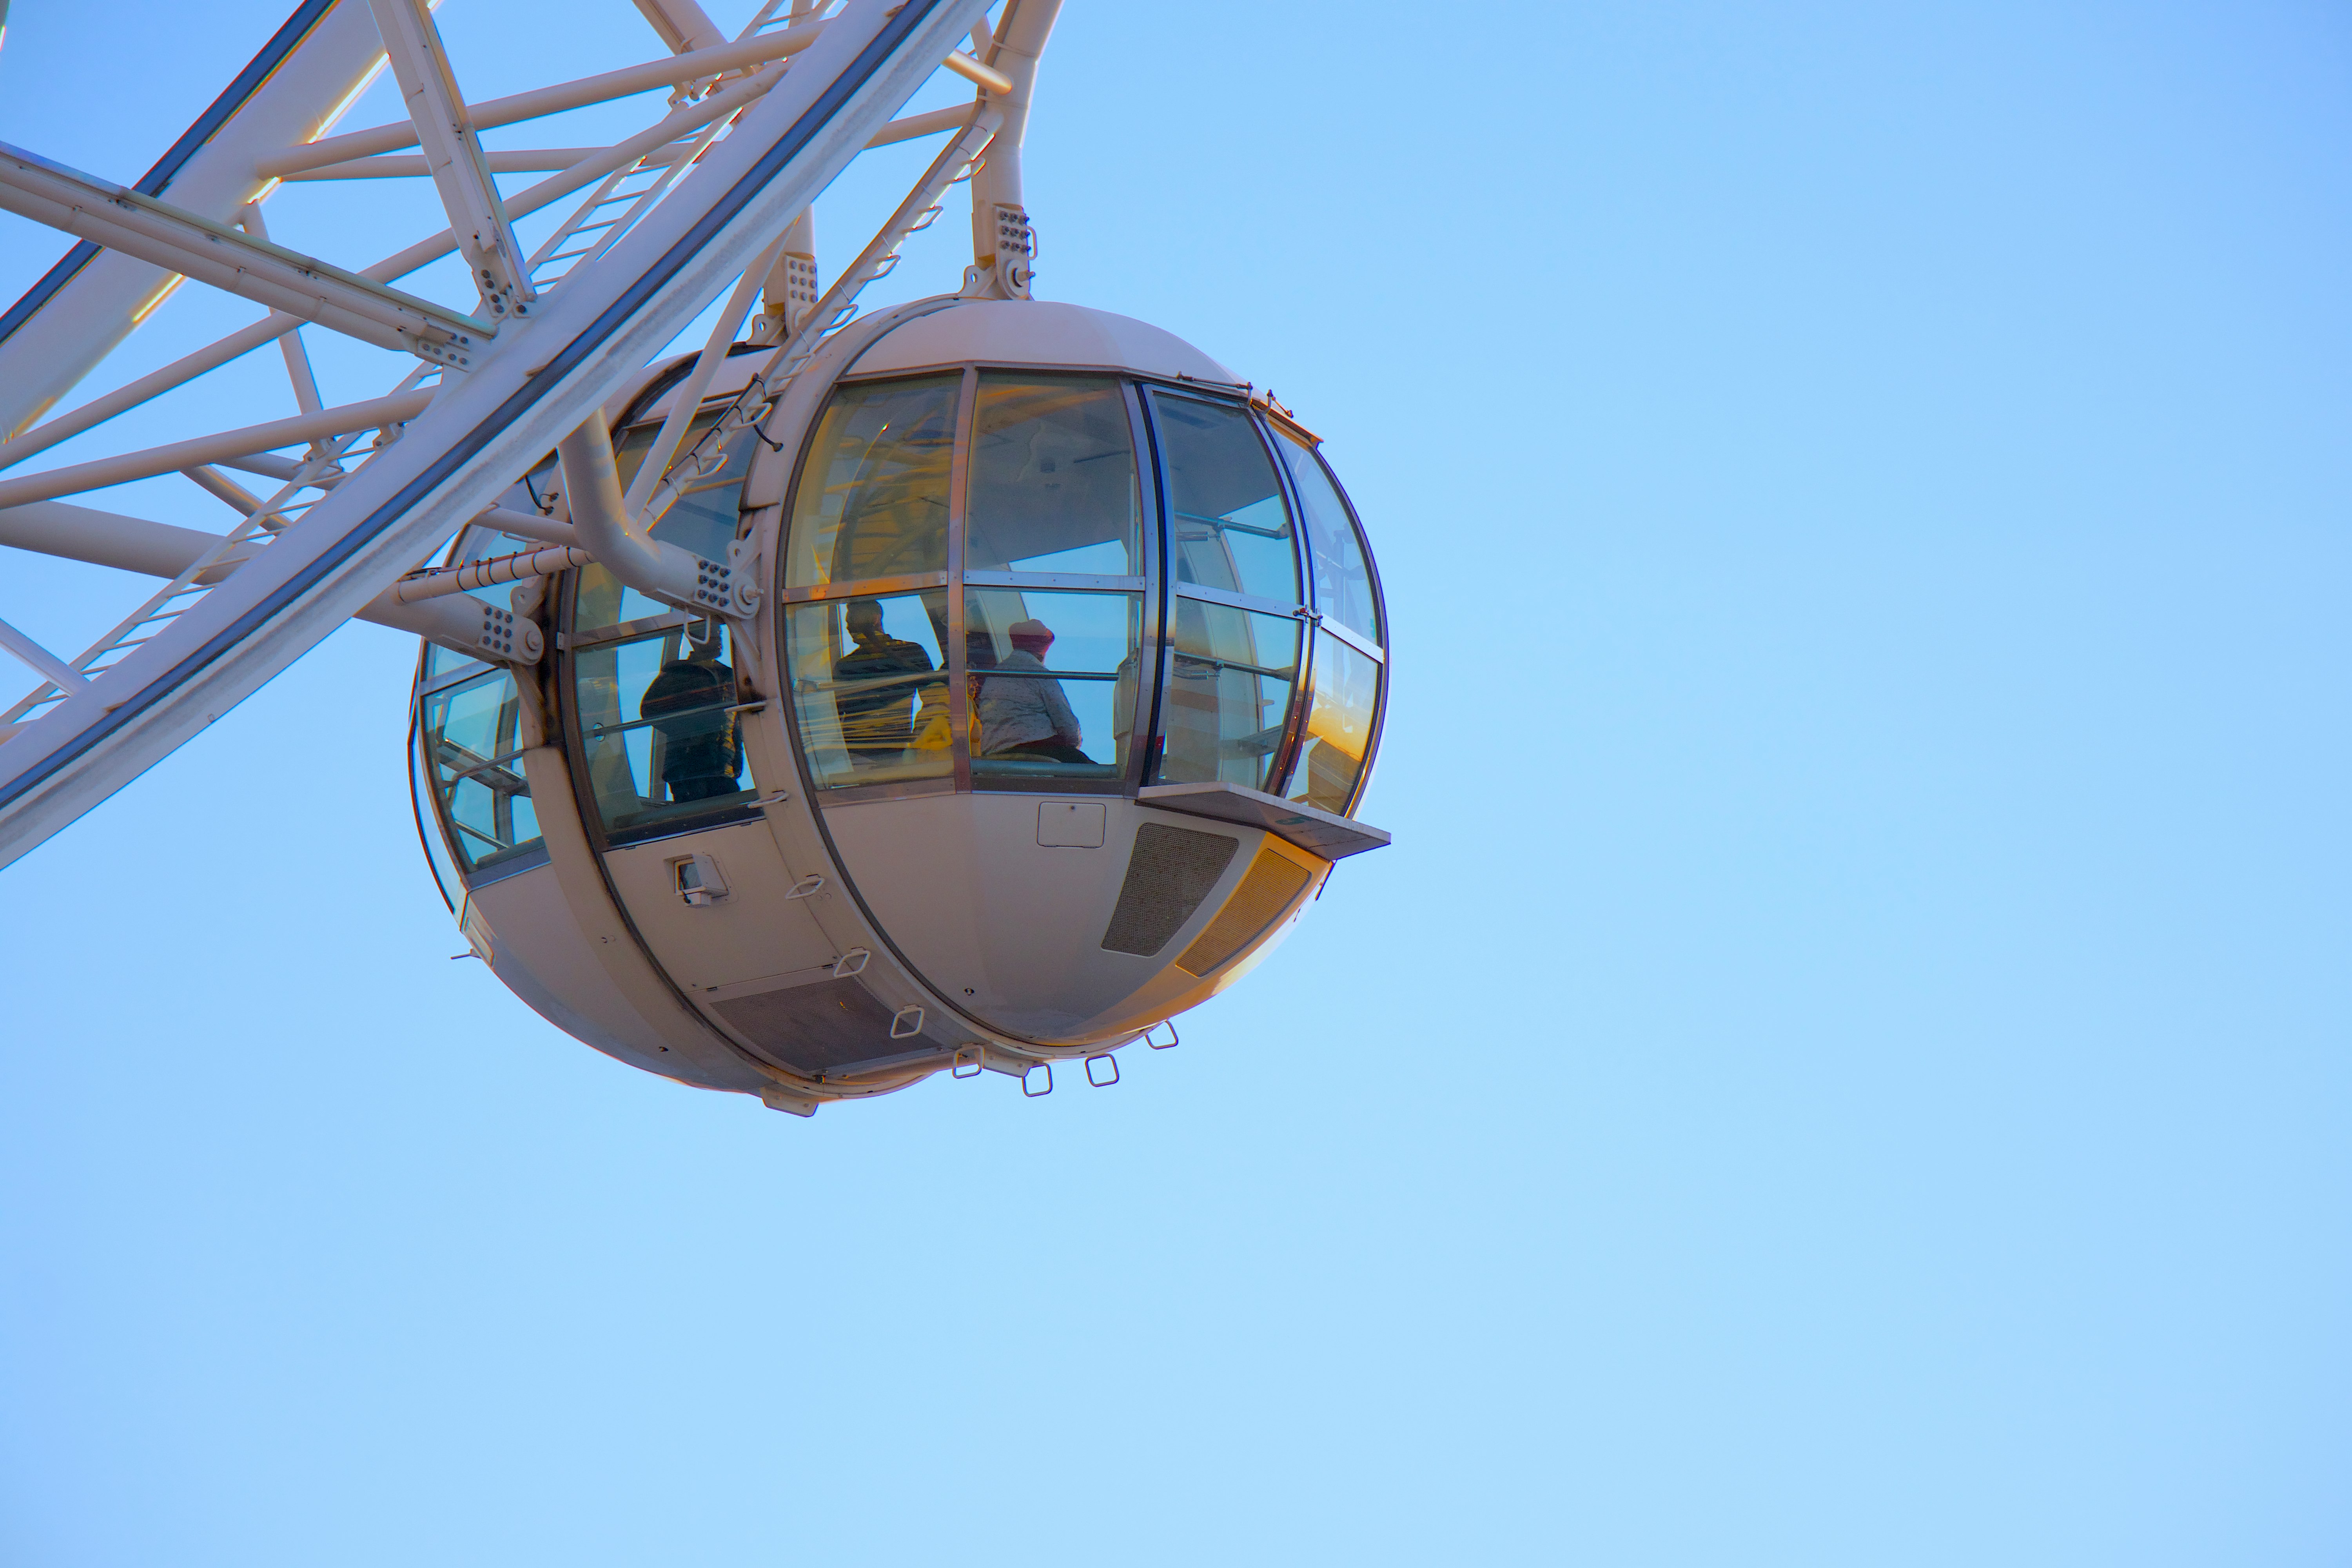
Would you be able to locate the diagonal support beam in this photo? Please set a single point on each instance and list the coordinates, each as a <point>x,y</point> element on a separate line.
<point>66,675</point>
<point>122,219</point>
<point>460,172</point>
<point>51,483</point>
<point>675,72</point>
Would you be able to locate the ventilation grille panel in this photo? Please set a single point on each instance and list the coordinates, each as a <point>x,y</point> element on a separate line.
<point>815,1028</point>
<point>1171,870</point>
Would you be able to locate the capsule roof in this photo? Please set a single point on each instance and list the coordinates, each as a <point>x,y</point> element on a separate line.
<point>1038,331</point>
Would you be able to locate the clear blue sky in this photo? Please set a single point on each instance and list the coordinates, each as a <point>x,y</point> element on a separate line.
<point>1846,1063</point>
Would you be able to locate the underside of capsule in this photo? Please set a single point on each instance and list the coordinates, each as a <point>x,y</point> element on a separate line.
<point>1040,699</point>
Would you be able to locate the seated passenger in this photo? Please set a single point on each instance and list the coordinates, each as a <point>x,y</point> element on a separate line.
<point>877,709</point>
<point>1023,712</point>
<point>687,701</point>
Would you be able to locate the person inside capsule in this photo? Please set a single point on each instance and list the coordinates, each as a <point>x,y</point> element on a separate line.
<point>873,692</point>
<point>1023,712</point>
<point>688,703</point>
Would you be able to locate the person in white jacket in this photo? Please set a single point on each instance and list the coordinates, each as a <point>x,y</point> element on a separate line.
<point>1023,712</point>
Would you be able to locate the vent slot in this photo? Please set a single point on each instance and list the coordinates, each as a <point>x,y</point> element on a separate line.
<point>1171,870</point>
<point>1272,883</point>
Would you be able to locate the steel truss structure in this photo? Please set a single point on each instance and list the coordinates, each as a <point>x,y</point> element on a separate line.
<point>713,195</point>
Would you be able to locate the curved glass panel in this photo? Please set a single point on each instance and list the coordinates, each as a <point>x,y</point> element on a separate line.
<point>1230,528</point>
<point>1339,727</point>
<point>702,520</point>
<point>1343,576</point>
<point>658,743</point>
<point>873,499</point>
<point>1052,485</point>
<point>429,822</point>
<point>471,736</point>
<point>1053,678</point>
<point>1222,716</point>
<point>870,688</point>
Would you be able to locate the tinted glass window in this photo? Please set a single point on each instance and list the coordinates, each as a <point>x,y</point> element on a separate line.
<point>1343,580</point>
<point>1224,711</point>
<point>1338,726</point>
<point>472,740</point>
<point>1229,527</point>
<point>870,688</point>
<point>1053,484</point>
<point>658,741</point>
<point>1054,681</point>
<point>872,499</point>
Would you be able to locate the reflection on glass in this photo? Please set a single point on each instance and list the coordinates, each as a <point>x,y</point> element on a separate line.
<point>1052,479</point>
<point>870,688</point>
<point>1223,713</point>
<point>473,744</point>
<point>1231,528</point>
<point>660,741</point>
<point>873,499</point>
<point>1338,726</point>
<point>702,519</point>
<point>1054,681</point>
<point>1343,583</point>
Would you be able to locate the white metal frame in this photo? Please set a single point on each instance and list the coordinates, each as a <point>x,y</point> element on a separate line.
<point>715,193</point>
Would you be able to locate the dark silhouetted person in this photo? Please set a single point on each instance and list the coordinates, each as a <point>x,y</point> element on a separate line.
<point>875,704</point>
<point>701,749</point>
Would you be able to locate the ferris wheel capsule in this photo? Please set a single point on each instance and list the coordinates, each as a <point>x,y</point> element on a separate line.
<point>1035,707</point>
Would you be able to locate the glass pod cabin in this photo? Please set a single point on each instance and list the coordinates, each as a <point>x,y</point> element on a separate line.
<point>1065,683</point>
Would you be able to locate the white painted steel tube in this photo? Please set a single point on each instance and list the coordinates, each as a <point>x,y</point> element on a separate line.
<point>244,340</point>
<point>1021,37</point>
<point>592,489</point>
<point>64,676</point>
<point>393,410</point>
<point>529,525</point>
<point>213,253</point>
<point>986,78</point>
<point>110,538</point>
<point>552,160</point>
<point>489,573</point>
<point>160,549</point>
<point>546,100</point>
<point>425,251</point>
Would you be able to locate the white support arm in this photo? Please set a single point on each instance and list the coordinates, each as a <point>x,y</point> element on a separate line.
<point>592,489</point>
<point>122,219</point>
<point>683,25</point>
<point>447,135</point>
<point>160,549</point>
<point>1004,241</point>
